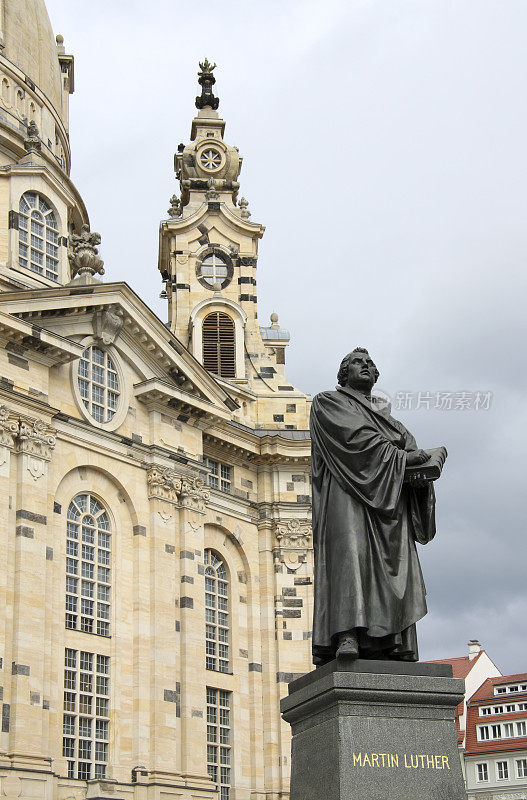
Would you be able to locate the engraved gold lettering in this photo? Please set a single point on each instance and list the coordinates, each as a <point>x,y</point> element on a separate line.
<point>412,757</point>
<point>430,761</point>
<point>357,759</point>
<point>406,764</point>
<point>438,762</point>
<point>375,760</point>
<point>394,759</point>
<point>367,759</point>
<point>444,759</point>
<point>383,756</point>
<point>422,761</point>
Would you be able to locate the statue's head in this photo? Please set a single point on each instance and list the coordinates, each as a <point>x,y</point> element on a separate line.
<point>358,370</point>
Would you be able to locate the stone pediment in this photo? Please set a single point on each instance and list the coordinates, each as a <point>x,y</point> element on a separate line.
<point>112,314</point>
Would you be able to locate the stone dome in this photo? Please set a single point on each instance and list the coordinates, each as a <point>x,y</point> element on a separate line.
<point>29,43</point>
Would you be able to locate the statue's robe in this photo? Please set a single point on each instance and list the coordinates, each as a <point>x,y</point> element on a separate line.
<point>366,521</point>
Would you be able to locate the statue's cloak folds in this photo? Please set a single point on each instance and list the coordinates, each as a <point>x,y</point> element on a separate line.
<point>365,525</point>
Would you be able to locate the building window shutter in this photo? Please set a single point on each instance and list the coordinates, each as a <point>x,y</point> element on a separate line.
<point>219,350</point>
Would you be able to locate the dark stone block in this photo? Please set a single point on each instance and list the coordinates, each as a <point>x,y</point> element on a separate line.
<point>372,730</point>
<point>183,286</point>
<point>57,508</point>
<point>244,653</point>
<point>34,698</point>
<point>17,361</point>
<point>186,554</point>
<point>201,569</point>
<point>289,591</point>
<point>187,579</point>
<point>31,516</point>
<point>291,613</point>
<point>178,626</point>
<point>6,714</point>
<point>278,417</point>
<point>292,602</point>
<point>25,530</point>
<point>196,713</point>
<point>303,581</point>
<point>171,696</point>
<point>307,634</point>
<point>169,548</point>
<point>137,438</point>
<point>49,554</point>
<point>213,206</point>
<point>287,634</point>
<point>286,677</point>
<point>19,669</point>
<point>45,705</point>
<point>139,530</point>
<point>13,220</point>
<point>286,388</point>
<point>254,667</point>
<point>303,498</point>
<point>186,602</point>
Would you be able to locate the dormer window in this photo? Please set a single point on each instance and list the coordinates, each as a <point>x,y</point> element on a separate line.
<point>38,236</point>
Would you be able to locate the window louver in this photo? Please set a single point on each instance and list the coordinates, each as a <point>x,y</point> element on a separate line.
<point>219,351</point>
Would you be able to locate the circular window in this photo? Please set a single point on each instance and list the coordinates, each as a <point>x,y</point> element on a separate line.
<point>215,268</point>
<point>211,159</point>
<point>98,384</point>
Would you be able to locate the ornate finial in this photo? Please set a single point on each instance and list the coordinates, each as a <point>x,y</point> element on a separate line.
<point>32,143</point>
<point>274,321</point>
<point>207,80</point>
<point>84,258</point>
<point>176,209</point>
<point>244,212</point>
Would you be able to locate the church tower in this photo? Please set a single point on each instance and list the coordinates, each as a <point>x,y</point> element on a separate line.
<point>208,261</point>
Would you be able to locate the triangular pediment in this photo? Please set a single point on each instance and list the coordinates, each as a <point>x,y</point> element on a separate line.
<point>166,374</point>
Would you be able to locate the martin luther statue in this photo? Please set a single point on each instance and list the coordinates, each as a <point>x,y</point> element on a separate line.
<point>369,509</point>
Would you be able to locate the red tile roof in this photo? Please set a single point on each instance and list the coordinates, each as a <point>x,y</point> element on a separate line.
<point>481,697</point>
<point>461,665</point>
<point>486,689</point>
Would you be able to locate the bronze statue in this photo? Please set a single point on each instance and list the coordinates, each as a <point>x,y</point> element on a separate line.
<point>369,509</point>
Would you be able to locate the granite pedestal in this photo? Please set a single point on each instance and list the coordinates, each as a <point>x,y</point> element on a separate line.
<point>375,730</point>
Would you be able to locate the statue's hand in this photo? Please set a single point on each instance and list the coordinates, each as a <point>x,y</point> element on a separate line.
<point>416,457</point>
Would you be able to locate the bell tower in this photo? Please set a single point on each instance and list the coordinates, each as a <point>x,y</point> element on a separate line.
<point>208,261</point>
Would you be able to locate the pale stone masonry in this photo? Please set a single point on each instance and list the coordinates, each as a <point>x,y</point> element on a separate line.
<point>155,537</point>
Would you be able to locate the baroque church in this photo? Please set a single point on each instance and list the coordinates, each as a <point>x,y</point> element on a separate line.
<point>155,534</point>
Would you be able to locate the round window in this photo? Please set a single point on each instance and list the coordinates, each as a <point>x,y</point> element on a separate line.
<point>210,159</point>
<point>98,384</point>
<point>214,268</point>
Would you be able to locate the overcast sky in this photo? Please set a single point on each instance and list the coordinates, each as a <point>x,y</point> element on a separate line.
<point>384,148</point>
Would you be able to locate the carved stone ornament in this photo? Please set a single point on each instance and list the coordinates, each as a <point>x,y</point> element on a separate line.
<point>176,209</point>
<point>32,142</point>
<point>294,540</point>
<point>212,192</point>
<point>83,257</point>
<point>243,205</point>
<point>294,534</point>
<point>188,491</point>
<point>107,324</point>
<point>8,427</point>
<point>37,439</point>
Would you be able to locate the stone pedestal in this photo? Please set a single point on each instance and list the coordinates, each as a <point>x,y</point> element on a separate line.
<point>375,730</point>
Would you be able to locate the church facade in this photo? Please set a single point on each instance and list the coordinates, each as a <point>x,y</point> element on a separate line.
<point>155,477</point>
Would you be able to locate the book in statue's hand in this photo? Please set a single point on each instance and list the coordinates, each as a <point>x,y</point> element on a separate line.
<point>431,469</point>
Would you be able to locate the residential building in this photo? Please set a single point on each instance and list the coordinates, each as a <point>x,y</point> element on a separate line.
<point>496,740</point>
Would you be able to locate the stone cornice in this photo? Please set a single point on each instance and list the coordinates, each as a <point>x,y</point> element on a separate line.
<point>35,342</point>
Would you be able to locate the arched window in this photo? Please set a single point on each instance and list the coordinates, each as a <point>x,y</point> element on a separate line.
<point>5,89</point>
<point>88,549</point>
<point>219,350</point>
<point>20,101</point>
<point>38,236</point>
<point>216,613</point>
<point>98,384</point>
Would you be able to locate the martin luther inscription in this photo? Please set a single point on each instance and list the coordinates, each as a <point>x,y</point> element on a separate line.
<point>402,760</point>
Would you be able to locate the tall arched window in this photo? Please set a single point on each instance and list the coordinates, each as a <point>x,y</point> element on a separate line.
<point>216,613</point>
<point>219,350</point>
<point>38,236</point>
<point>88,549</point>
